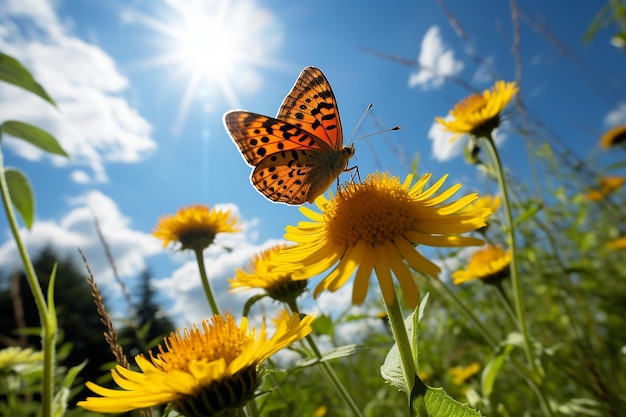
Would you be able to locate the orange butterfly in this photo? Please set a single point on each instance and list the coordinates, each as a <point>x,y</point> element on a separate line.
<point>300,153</point>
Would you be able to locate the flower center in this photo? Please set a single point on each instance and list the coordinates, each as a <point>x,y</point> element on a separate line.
<point>374,212</point>
<point>220,339</point>
<point>471,104</point>
<point>223,398</point>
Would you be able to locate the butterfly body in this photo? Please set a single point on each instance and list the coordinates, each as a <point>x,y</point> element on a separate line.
<point>299,154</point>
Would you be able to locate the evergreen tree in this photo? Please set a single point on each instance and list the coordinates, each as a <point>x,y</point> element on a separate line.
<point>79,324</point>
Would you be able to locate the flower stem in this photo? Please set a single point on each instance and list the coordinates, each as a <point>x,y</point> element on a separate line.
<point>329,371</point>
<point>402,341</point>
<point>505,301</point>
<point>48,323</point>
<point>518,298</point>
<point>205,282</point>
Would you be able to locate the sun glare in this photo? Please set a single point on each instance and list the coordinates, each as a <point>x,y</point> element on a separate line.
<point>212,44</point>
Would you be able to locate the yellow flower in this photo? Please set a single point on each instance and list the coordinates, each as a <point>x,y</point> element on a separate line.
<point>200,372</point>
<point>489,264</point>
<point>195,227</point>
<point>320,411</point>
<point>260,274</point>
<point>461,374</point>
<point>479,114</point>
<point>608,185</point>
<point>488,201</point>
<point>375,225</point>
<point>613,137</point>
<point>619,243</point>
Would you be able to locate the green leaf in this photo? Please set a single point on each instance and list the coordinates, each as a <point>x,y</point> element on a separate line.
<point>323,325</point>
<point>21,194</point>
<point>598,21</point>
<point>33,135</point>
<point>13,72</point>
<point>492,369</point>
<point>440,404</point>
<point>52,314</point>
<point>392,370</point>
<point>342,351</point>
<point>529,212</point>
<point>251,301</point>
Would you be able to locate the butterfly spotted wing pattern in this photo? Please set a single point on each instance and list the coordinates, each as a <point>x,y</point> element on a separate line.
<point>299,154</point>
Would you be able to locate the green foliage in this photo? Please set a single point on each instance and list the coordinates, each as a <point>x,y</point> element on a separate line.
<point>21,195</point>
<point>33,135</point>
<point>13,72</point>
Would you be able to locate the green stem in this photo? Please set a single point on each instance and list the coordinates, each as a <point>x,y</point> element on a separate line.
<point>468,313</point>
<point>329,371</point>
<point>48,324</point>
<point>205,282</point>
<point>402,341</point>
<point>252,408</point>
<point>518,297</point>
<point>415,387</point>
<point>505,301</point>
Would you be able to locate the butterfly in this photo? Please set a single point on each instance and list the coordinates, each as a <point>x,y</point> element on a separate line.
<point>299,154</point>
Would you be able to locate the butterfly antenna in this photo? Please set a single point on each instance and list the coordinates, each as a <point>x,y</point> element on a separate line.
<point>369,106</point>
<point>376,133</point>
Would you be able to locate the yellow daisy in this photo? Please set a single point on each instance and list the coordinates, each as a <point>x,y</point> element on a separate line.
<point>608,185</point>
<point>479,114</point>
<point>489,264</point>
<point>199,372</point>
<point>260,274</point>
<point>461,374</point>
<point>613,137</point>
<point>619,243</point>
<point>195,227</point>
<point>375,225</point>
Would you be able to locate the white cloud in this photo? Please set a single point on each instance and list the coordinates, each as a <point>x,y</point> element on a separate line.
<point>94,123</point>
<point>185,287</point>
<point>435,61</point>
<point>617,116</point>
<point>484,73</point>
<point>76,230</point>
<point>443,150</point>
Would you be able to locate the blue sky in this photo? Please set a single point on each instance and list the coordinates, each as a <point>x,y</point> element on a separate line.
<point>142,120</point>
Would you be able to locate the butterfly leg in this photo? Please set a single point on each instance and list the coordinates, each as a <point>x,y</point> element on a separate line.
<point>354,173</point>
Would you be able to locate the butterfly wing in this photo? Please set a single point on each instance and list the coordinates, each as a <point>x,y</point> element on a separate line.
<point>284,177</point>
<point>311,106</point>
<point>298,155</point>
<point>258,136</point>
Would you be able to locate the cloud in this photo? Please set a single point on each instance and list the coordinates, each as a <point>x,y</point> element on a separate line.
<point>94,123</point>
<point>231,251</point>
<point>77,230</point>
<point>617,116</point>
<point>443,150</point>
<point>435,62</point>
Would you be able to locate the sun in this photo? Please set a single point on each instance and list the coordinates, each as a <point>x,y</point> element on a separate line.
<point>212,45</point>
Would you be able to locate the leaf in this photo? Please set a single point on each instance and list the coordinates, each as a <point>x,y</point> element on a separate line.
<point>33,135</point>
<point>21,194</point>
<point>13,72</point>
<point>598,21</point>
<point>529,212</point>
<point>440,404</point>
<point>323,325</point>
<point>492,369</point>
<point>392,370</point>
<point>251,301</point>
<point>342,351</point>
